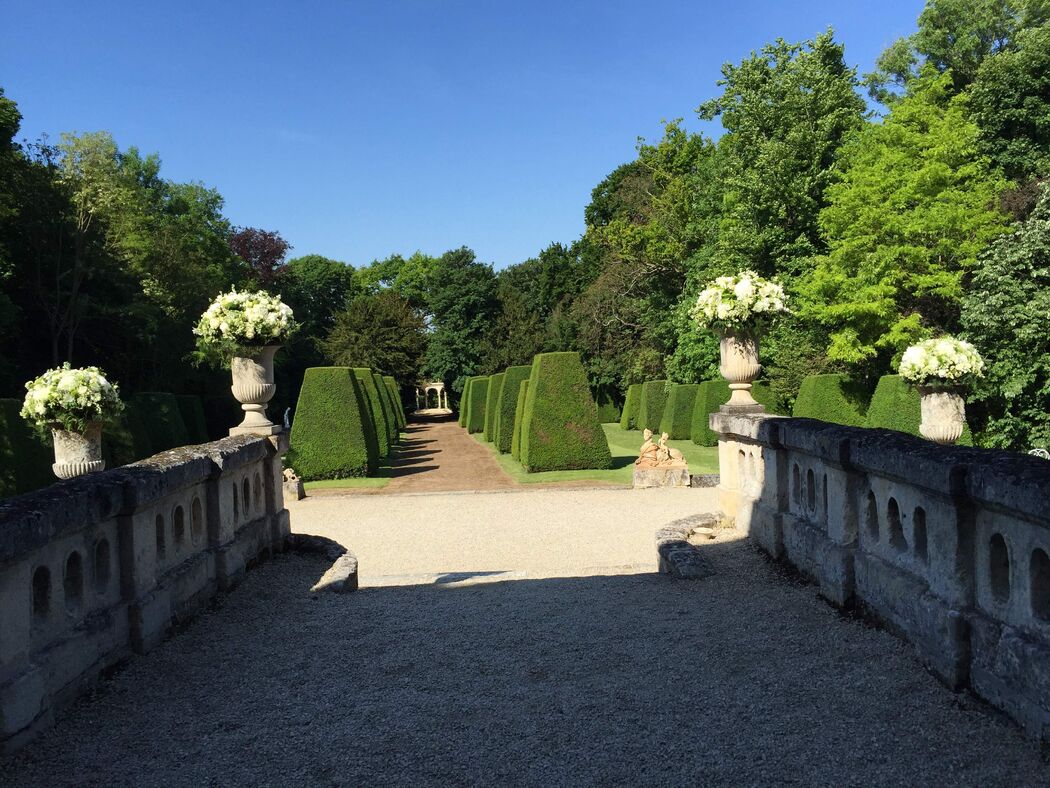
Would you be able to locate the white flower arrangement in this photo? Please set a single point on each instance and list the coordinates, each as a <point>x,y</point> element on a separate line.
<point>236,322</point>
<point>946,362</point>
<point>739,301</point>
<point>70,399</point>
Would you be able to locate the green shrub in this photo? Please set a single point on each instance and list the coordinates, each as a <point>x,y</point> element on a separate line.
<point>608,412</point>
<point>507,404</point>
<point>25,457</point>
<point>193,417</point>
<point>560,428</point>
<point>464,400</point>
<point>333,436</point>
<point>127,441</point>
<point>712,395</point>
<point>519,418</point>
<point>491,398</point>
<point>832,398</point>
<point>375,409</point>
<point>651,405</point>
<point>162,419</point>
<point>629,414</point>
<point>395,396</point>
<point>677,420</point>
<point>479,392</point>
<point>895,406</point>
<point>221,413</point>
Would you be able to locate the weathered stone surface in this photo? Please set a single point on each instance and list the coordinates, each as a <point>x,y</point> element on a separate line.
<point>703,480</point>
<point>661,477</point>
<point>678,557</point>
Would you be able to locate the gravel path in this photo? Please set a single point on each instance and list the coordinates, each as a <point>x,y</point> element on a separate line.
<point>744,678</point>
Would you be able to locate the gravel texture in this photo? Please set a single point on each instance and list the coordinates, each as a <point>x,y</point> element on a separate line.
<point>743,678</point>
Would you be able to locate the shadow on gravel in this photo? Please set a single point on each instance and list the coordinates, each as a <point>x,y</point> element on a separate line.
<point>638,679</point>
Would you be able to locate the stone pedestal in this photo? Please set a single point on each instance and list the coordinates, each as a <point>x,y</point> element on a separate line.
<point>673,476</point>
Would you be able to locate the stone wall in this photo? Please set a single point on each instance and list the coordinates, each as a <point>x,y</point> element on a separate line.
<point>949,547</point>
<point>97,568</point>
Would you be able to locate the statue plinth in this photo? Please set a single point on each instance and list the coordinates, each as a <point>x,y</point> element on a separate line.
<point>659,465</point>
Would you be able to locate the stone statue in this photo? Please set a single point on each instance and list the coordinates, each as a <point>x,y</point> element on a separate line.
<point>668,454</point>
<point>648,455</point>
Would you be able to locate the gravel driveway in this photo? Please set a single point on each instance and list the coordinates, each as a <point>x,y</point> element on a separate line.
<point>744,678</point>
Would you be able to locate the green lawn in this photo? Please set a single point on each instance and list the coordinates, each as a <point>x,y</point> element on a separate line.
<point>358,483</point>
<point>624,445</point>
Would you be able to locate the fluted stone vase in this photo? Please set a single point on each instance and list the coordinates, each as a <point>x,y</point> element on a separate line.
<point>253,387</point>
<point>78,453</point>
<point>739,366</point>
<point>943,414</point>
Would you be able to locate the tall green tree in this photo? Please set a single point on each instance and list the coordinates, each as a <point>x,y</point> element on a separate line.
<point>1010,102</point>
<point>955,37</point>
<point>463,306</point>
<point>1004,313</point>
<point>913,209</point>
<point>381,331</point>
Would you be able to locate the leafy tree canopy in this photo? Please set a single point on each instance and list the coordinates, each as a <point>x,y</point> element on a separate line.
<point>381,331</point>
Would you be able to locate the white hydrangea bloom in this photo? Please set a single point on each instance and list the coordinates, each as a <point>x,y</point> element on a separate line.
<point>941,361</point>
<point>70,398</point>
<point>245,319</point>
<point>733,301</point>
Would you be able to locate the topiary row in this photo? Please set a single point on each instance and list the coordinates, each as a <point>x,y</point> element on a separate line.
<point>651,404</point>
<point>834,398</point>
<point>519,418</point>
<point>506,406</point>
<point>629,414</point>
<point>491,398</point>
<point>677,419</point>
<point>476,398</point>
<point>335,435</point>
<point>895,405</point>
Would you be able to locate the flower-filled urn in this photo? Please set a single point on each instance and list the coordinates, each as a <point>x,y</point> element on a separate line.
<point>941,369</point>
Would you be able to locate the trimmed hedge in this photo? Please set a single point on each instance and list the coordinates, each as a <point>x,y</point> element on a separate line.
<point>393,434</point>
<point>162,420</point>
<point>25,457</point>
<point>221,413</point>
<point>193,417</point>
<point>464,400</point>
<point>895,406</point>
<point>507,404</point>
<point>629,414</point>
<point>832,398</point>
<point>375,409</point>
<point>395,396</point>
<point>651,405</point>
<point>479,392</point>
<point>333,436</point>
<point>677,420</point>
<point>712,395</point>
<point>519,417</point>
<point>491,406</point>
<point>560,428</point>
<point>127,440</point>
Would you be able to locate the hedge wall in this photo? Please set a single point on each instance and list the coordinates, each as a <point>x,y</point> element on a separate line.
<point>333,436</point>
<point>895,406</point>
<point>392,433</point>
<point>479,391</point>
<point>375,409</point>
<point>491,400</point>
<point>162,419</point>
<point>25,457</point>
<point>221,413</point>
<point>560,428</point>
<point>712,395</point>
<point>629,414</point>
<point>507,405</point>
<point>651,405</point>
<point>463,401</point>
<point>677,420</point>
<point>833,398</point>
<point>395,396</point>
<point>193,417</point>
<point>519,417</point>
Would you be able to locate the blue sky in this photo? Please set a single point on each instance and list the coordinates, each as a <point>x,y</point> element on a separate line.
<point>358,129</point>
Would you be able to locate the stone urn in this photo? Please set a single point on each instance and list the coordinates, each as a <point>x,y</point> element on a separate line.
<point>943,414</point>
<point>739,365</point>
<point>253,387</point>
<point>78,453</point>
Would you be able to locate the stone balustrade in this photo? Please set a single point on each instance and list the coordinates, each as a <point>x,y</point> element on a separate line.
<point>949,547</point>
<point>99,567</point>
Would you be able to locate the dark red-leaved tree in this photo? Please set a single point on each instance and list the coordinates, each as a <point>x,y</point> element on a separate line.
<point>262,250</point>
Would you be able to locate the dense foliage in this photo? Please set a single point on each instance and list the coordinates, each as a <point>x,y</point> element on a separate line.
<point>333,436</point>
<point>677,419</point>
